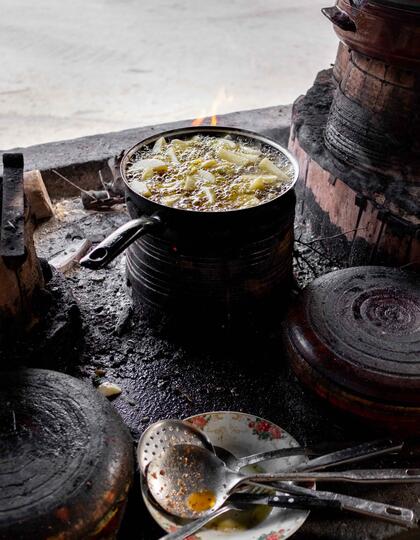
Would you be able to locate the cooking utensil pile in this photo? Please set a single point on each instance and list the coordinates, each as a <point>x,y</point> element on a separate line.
<point>189,478</point>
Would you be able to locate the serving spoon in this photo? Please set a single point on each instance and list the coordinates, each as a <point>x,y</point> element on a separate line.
<point>163,434</point>
<point>166,433</point>
<point>190,481</point>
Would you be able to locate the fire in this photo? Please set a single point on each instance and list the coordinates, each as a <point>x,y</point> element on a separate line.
<point>198,121</point>
<point>209,115</point>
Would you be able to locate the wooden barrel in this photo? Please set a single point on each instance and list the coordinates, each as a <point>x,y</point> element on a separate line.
<point>66,460</point>
<point>341,61</point>
<point>353,337</point>
<point>355,136</point>
<point>374,121</point>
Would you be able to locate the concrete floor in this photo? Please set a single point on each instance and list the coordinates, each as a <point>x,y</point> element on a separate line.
<point>82,67</point>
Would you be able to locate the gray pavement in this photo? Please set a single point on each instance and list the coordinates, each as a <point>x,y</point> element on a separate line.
<point>82,67</point>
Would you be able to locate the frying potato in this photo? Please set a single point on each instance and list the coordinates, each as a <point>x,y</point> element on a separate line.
<point>178,144</point>
<point>262,181</point>
<point>155,164</point>
<point>170,200</point>
<point>236,158</point>
<point>209,164</point>
<point>267,165</point>
<point>210,194</point>
<point>141,187</point>
<point>207,176</point>
<point>209,173</point>
<point>159,145</point>
<point>172,156</point>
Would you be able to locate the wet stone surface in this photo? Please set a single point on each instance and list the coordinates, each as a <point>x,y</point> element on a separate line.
<point>164,376</point>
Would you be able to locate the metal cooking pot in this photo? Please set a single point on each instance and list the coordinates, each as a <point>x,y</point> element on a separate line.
<point>200,258</point>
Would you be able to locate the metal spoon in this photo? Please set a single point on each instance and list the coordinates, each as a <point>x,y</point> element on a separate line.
<point>166,433</point>
<point>329,501</point>
<point>243,501</point>
<point>333,459</point>
<point>190,481</point>
<point>385,512</point>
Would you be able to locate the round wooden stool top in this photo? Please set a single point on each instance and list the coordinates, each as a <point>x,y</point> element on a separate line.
<point>358,329</point>
<point>66,459</point>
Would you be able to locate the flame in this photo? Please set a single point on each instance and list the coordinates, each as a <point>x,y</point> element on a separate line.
<point>209,115</point>
<point>198,121</point>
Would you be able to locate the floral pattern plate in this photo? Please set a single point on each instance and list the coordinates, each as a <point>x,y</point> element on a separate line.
<point>244,434</point>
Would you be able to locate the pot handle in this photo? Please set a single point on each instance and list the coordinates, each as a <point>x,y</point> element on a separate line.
<point>118,241</point>
<point>339,18</point>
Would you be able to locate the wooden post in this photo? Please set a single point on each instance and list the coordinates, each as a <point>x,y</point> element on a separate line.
<point>20,272</point>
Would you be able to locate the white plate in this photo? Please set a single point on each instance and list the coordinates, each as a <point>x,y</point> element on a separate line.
<point>244,434</point>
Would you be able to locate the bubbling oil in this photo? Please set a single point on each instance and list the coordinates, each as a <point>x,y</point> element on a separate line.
<point>208,173</point>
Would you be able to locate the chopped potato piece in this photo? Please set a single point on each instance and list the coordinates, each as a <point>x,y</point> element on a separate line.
<point>227,143</point>
<point>257,184</point>
<point>173,187</point>
<point>207,176</point>
<point>147,174</point>
<point>209,164</point>
<point>249,201</point>
<point>210,194</point>
<point>179,144</point>
<point>190,183</point>
<point>224,168</point>
<point>170,200</point>
<point>156,164</point>
<point>267,165</point>
<point>141,188</point>
<point>234,157</point>
<point>250,177</point>
<point>173,157</point>
<point>249,150</point>
<point>262,181</point>
<point>159,145</point>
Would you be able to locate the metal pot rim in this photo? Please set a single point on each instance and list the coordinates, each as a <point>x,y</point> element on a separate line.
<point>206,130</point>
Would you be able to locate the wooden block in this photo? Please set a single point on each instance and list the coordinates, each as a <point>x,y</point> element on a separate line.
<point>65,260</point>
<point>37,195</point>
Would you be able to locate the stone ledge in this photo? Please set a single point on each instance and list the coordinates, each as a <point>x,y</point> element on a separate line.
<point>81,159</point>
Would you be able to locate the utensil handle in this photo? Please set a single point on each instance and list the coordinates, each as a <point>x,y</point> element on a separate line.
<point>273,454</point>
<point>366,476</point>
<point>347,454</point>
<point>303,502</point>
<point>352,455</point>
<point>385,512</point>
<point>118,241</point>
<point>340,18</point>
<point>197,524</point>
